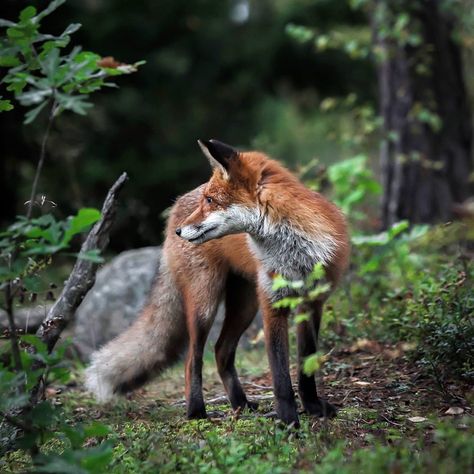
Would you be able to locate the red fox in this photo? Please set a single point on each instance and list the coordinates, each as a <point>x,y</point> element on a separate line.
<point>227,239</point>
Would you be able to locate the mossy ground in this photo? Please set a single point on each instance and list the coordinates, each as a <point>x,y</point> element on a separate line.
<point>391,419</point>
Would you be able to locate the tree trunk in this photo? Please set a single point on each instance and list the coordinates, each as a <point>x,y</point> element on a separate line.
<point>426,155</point>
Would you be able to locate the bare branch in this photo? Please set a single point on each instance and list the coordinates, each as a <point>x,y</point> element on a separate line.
<point>83,274</point>
<point>39,166</point>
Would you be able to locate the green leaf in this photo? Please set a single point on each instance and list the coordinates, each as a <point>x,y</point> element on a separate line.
<point>28,440</point>
<point>9,61</point>
<point>300,318</point>
<point>15,33</point>
<point>376,240</point>
<point>279,282</point>
<point>75,103</point>
<point>291,302</point>
<point>92,255</point>
<point>50,64</point>
<point>32,283</point>
<point>301,34</point>
<point>50,9</point>
<point>96,459</point>
<point>37,343</point>
<point>96,429</point>
<point>43,415</point>
<point>44,249</point>
<point>397,229</point>
<point>318,291</point>
<point>72,28</point>
<point>370,266</point>
<point>28,13</point>
<point>6,23</point>
<point>5,105</point>
<point>34,96</point>
<point>60,374</point>
<point>31,115</point>
<point>313,363</point>
<point>75,435</point>
<point>317,273</point>
<point>80,222</point>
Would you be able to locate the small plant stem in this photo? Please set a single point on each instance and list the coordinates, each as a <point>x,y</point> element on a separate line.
<point>39,166</point>
<point>11,323</point>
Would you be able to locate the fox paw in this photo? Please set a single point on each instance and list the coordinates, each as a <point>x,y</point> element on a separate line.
<point>196,413</point>
<point>320,408</point>
<point>252,406</point>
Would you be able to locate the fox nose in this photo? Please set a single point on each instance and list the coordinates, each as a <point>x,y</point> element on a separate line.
<point>178,231</point>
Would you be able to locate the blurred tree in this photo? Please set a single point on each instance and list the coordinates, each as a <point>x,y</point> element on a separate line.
<point>213,67</point>
<point>426,156</point>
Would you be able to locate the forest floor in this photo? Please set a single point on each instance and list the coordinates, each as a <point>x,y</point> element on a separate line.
<point>392,419</point>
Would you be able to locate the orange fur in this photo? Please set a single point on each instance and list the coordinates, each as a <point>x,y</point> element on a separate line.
<point>282,197</point>
<point>195,278</point>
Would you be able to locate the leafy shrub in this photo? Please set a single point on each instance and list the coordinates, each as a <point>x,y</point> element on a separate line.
<point>439,316</point>
<point>41,74</point>
<point>410,284</point>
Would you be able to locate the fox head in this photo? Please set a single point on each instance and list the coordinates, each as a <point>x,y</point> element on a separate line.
<point>228,203</point>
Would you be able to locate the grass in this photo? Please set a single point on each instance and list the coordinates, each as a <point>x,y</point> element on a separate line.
<point>391,420</point>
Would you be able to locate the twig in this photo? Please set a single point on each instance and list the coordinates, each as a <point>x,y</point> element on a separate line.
<point>390,421</point>
<point>346,397</point>
<point>223,398</point>
<point>39,166</point>
<point>263,387</point>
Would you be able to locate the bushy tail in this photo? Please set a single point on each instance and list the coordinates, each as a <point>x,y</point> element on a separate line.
<point>154,341</point>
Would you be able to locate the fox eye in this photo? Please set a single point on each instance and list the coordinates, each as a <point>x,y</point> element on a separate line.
<point>208,199</point>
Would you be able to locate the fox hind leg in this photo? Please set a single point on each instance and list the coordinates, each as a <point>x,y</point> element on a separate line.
<point>240,308</point>
<point>200,314</point>
<point>307,337</point>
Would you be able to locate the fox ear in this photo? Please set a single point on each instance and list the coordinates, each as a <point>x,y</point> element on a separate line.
<point>219,155</point>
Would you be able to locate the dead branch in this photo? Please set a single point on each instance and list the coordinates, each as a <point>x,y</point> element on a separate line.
<point>83,274</point>
<point>80,281</point>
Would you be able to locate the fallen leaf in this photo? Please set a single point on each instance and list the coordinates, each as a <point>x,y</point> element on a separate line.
<point>361,383</point>
<point>417,419</point>
<point>454,411</point>
<point>393,353</point>
<point>50,392</point>
<point>408,346</point>
<point>365,345</point>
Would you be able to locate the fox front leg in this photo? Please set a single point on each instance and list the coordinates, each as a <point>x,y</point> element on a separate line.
<point>307,337</point>
<point>275,326</point>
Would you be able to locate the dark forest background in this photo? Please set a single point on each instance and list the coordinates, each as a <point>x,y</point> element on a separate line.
<point>215,69</point>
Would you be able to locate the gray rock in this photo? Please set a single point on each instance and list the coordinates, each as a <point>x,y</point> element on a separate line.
<point>26,319</point>
<point>119,293</point>
<point>116,298</point>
